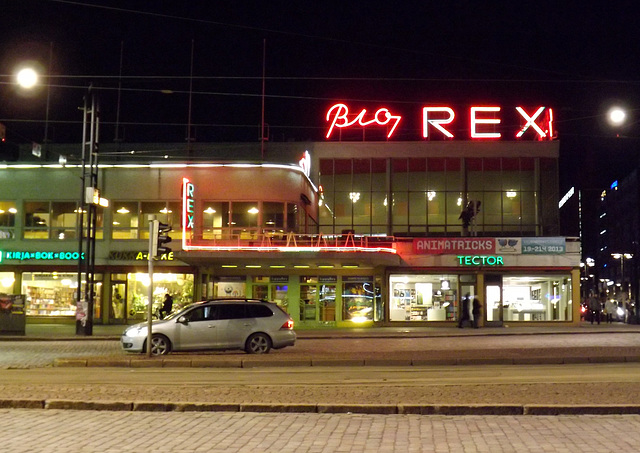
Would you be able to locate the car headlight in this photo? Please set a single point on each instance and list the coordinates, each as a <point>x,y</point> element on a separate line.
<point>136,331</point>
<point>620,311</point>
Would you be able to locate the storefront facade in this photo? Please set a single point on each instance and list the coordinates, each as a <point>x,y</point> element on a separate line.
<point>339,234</point>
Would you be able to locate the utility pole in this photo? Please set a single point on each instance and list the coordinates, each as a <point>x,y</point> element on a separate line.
<point>87,230</point>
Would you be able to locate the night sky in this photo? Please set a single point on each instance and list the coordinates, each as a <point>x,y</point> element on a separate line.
<point>577,57</point>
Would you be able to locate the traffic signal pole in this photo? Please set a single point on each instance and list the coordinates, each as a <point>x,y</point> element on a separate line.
<point>153,238</point>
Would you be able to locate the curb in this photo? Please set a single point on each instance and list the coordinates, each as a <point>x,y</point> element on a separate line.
<point>186,362</point>
<point>371,409</point>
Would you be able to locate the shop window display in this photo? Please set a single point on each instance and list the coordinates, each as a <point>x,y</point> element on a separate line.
<point>357,300</point>
<point>274,289</point>
<point>55,293</point>
<point>179,286</point>
<point>536,298</point>
<point>423,297</point>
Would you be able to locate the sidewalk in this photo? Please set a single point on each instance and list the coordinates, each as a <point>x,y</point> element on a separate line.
<point>57,332</point>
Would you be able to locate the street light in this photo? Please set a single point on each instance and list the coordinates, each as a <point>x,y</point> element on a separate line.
<point>622,257</point>
<point>616,116</point>
<point>27,78</point>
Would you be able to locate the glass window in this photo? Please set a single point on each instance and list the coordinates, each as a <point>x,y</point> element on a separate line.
<point>273,215</point>
<point>292,217</point>
<point>454,179</point>
<point>308,302</point>
<point>361,181</point>
<point>244,214</point>
<point>37,218</point>
<point>399,179</point>
<point>537,298</point>
<point>258,311</point>
<point>50,293</point>
<point>417,174</point>
<point>423,298</point>
<point>357,301</point>
<point>327,303</point>
<point>8,213</point>
<point>400,211</point>
<point>179,286</point>
<point>214,219</point>
<point>64,219</point>
<point>231,311</point>
<point>156,208</point>
<point>417,208</point>
<point>7,280</point>
<point>124,220</point>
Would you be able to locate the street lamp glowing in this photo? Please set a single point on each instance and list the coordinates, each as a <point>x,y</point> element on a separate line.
<point>27,78</point>
<point>617,116</point>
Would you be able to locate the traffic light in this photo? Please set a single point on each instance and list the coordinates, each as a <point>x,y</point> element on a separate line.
<point>160,237</point>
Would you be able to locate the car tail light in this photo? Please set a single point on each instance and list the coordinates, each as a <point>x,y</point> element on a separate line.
<point>288,325</point>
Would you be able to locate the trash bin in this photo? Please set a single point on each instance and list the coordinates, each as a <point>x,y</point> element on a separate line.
<point>12,314</point>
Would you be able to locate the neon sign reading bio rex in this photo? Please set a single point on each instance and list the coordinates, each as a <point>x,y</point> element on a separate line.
<point>438,121</point>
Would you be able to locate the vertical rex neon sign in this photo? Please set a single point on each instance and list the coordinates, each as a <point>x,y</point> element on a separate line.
<point>188,211</point>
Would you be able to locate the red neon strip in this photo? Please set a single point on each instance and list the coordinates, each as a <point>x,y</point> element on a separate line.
<point>338,115</point>
<point>530,122</point>
<point>475,121</point>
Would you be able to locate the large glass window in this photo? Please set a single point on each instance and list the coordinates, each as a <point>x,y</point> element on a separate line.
<point>506,187</point>
<point>423,298</point>
<point>357,300</point>
<point>318,298</point>
<point>536,298</point>
<point>273,216</point>
<point>274,289</point>
<point>37,219</point>
<point>56,220</point>
<point>54,293</point>
<point>130,219</point>
<point>179,286</point>
<point>8,213</point>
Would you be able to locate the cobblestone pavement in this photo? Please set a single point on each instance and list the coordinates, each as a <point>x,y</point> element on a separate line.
<point>25,354</point>
<point>40,431</point>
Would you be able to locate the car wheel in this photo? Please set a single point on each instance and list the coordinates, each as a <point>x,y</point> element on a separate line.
<point>258,343</point>
<point>160,345</point>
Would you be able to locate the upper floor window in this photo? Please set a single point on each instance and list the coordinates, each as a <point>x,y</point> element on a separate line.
<point>130,219</point>
<point>8,213</point>
<point>55,220</point>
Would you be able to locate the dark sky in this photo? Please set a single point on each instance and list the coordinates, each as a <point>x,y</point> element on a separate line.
<point>577,57</point>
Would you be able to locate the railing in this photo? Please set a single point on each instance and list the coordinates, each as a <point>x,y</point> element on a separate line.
<point>248,239</point>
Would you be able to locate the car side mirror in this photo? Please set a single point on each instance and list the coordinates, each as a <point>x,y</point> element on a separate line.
<point>183,320</point>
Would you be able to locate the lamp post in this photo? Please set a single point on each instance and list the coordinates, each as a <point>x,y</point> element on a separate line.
<point>27,78</point>
<point>622,257</point>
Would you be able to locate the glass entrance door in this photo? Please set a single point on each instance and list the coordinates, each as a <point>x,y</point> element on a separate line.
<point>493,293</point>
<point>118,308</point>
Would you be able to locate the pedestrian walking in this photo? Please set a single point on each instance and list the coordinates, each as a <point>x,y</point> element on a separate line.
<point>595,307</point>
<point>476,313</point>
<point>610,308</point>
<point>464,314</point>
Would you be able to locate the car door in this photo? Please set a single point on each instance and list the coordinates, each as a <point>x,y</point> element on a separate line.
<point>235,327</point>
<point>199,329</point>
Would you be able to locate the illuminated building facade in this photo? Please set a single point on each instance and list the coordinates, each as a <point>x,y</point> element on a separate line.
<point>339,233</point>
